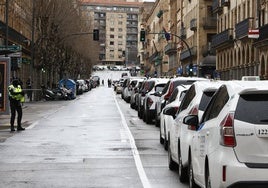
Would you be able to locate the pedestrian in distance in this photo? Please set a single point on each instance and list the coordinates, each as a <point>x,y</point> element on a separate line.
<point>29,89</point>
<point>16,98</point>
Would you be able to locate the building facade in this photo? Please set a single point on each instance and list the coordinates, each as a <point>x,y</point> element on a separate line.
<point>238,53</point>
<point>118,25</point>
<point>189,26</point>
<point>15,39</point>
<point>216,39</point>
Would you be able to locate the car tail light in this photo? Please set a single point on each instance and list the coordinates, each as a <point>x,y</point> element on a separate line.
<point>149,102</point>
<point>227,131</point>
<point>194,110</point>
<point>171,88</point>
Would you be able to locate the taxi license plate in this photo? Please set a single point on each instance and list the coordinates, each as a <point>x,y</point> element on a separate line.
<point>262,132</point>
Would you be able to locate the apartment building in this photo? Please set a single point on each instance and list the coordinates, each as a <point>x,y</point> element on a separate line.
<point>198,26</point>
<point>188,51</point>
<point>118,26</point>
<point>155,61</point>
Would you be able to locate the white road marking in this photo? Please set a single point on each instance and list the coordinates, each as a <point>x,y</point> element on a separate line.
<point>135,152</point>
<point>32,125</point>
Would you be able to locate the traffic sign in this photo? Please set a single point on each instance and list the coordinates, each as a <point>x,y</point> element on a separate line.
<point>253,33</point>
<point>14,48</point>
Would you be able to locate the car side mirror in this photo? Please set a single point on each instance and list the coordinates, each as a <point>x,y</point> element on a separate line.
<point>192,122</point>
<point>170,111</point>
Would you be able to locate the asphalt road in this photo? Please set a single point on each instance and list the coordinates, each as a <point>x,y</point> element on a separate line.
<point>96,140</point>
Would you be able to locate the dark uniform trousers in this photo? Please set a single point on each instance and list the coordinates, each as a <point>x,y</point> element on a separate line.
<point>15,106</point>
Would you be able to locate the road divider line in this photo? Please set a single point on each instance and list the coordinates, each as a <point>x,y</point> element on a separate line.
<point>135,152</point>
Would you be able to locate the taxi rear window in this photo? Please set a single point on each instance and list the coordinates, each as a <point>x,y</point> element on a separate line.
<point>252,108</point>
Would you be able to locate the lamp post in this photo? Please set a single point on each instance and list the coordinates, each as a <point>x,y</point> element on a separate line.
<point>6,14</point>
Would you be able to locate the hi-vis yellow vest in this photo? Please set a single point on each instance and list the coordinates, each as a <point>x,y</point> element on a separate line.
<point>15,96</point>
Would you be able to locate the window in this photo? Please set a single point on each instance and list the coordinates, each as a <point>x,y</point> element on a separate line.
<point>173,96</point>
<point>188,98</point>
<point>205,100</point>
<point>120,29</point>
<point>111,42</point>
<point>216,104</point>
<point>252,108</point>
<point>112,36</point>
<point>159,87</point>
<point>120,23</point>
<point>111,29</point>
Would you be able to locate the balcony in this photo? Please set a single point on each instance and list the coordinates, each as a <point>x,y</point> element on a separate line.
<point>154,57</point>
<point>183,33</point>
<point>207,50</point>
<point>263,38</point>
<point>216,7</point>
<point>170,48</point>
<point>186,53</point>
<point>222,38</point>
<point>193,24</point>
<point>210,22</point>
<point>225,3</point>
<point>241,28</point>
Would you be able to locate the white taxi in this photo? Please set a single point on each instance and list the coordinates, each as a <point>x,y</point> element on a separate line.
<point>230,144</point>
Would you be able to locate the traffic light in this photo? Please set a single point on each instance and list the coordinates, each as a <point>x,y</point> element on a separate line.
<point>167,36</point>
<point>142,35</point>
<point>95,34</point>
<point>191,69</point>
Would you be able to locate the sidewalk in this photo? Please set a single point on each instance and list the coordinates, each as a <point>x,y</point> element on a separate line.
<point>32,112</point>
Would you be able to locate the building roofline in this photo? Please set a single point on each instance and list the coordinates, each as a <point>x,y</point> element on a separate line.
<point>110,3</point>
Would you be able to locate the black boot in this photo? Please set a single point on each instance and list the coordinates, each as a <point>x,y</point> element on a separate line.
<point>12,129</point>
<point>20,128</point>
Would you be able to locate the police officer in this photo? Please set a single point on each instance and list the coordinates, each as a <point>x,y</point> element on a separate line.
<point>16,97</point>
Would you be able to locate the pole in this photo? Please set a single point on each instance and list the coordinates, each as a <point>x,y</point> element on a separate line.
<point>32,40</point>
<point>7,7</point>
<point>32,51</point>
<point>188,48</point>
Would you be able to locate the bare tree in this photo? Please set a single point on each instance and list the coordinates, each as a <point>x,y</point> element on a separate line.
<point>59,46</point>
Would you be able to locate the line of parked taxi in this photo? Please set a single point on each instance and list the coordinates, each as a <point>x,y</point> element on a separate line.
<point>216,132</point>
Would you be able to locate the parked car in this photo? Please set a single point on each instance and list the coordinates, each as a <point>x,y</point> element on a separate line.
<point>96,80</point>
<point>128,87</point>
<point>145,88</point>
<point>80,87</point>
<point>173,104</point>
<point>134,93</point>
<point>229,147</point>
<point>179,136</point>
<point>151,97</point>
<point>167,91</point>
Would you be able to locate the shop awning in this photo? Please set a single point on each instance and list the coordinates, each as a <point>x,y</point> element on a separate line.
<point>208,61</point>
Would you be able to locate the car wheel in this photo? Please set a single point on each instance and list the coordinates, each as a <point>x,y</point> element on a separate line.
<point>161,139</point>
<point>157,121</point>
<point>192,183</point>
<point>207,176</point>
<point>183,175</point>
<point>139,111</point>
<point>144,116</point>
<point>132,105</point>
<point>148,118</point>
<point>165,139</point>
<point>171,164</point>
